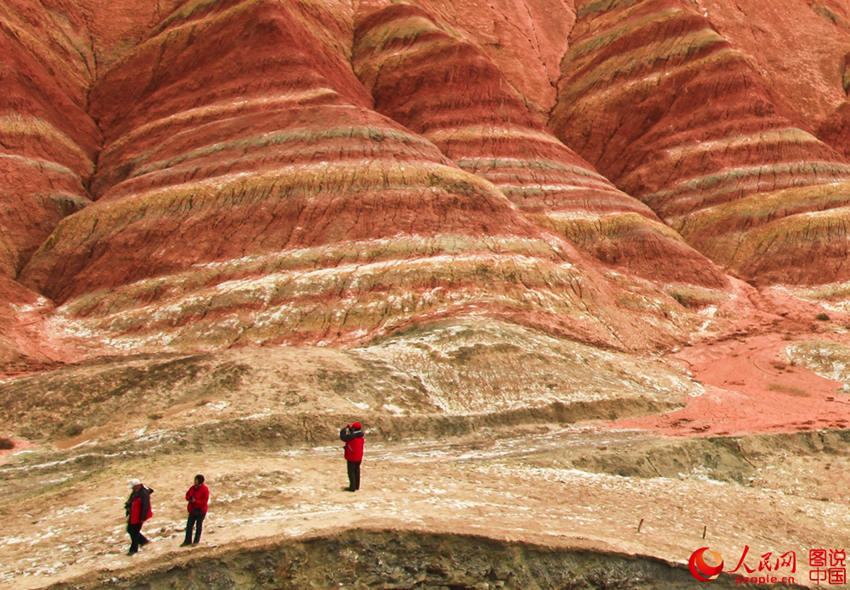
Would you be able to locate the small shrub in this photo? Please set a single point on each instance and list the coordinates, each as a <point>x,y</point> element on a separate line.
<point>822,317</point>
<point>72,430</point>
<point>789,389</point>
<point>6,444</point>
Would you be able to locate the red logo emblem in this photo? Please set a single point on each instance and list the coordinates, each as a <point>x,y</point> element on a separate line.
<point>702,570</point>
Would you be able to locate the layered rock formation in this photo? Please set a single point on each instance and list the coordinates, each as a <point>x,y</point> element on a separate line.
<point>49,141</point>
<point>525,39</point>
<point>512,227</point>
<point>798,49</point>
<point>203,174</point>
<point>48,144</point>
<point>451,93</point>
<point>249,194</point>
<point>663,105</point>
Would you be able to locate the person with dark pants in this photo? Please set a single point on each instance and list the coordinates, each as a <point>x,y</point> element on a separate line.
<point>353,476</point>
<point>352,435</point>
<point>198,497</point>
<point>138,510</point>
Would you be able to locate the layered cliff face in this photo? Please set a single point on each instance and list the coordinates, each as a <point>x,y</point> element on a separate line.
<point>210,173</point>
<point>662,104</point>
<point>450,92</point>
<point>50,57</point>
<point>798,49</point>
<point>247,193</point>
<point>48,144</point>
<point>525,39</point>
<point>49,140</point>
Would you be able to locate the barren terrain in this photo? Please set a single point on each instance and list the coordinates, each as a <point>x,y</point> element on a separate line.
<point>732,443</point>
<point>578,266</point>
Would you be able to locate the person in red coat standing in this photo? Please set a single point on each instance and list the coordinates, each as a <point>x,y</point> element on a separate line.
<point>198,497</point>
<point>138,510</point>
<point>352,435</point>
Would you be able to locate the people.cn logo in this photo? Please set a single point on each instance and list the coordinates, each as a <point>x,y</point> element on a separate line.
<point>703,570</point>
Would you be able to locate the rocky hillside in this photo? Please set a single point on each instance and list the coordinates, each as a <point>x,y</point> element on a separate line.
<point>197,175</point>
<point>592,250</point>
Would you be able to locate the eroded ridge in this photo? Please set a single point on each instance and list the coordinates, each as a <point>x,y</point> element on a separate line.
<point>47,140</point>
<point>247,193</point>
<point>449,91</point>
<point>664,106</point>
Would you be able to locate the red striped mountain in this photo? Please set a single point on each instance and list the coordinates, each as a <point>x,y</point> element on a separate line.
<point>49,59</point>
<point>667,108</point>
<point>48,142</point>
<point>524,39</point>
<point>247,192</point>
<point>451,93</point>
<point>50,54</point>
<point>797,48</point>
<point>204,173</point>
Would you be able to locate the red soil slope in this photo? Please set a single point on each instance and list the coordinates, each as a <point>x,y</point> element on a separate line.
<point>798,48</point>
<point>48,144</point>
<point>751,385</point>
<point>451,93</point>
<point>675,115</point>
<point>257,171</point>
<point>47,140</point>
<point>835,130</point>
<point>525,39</point>
<point>247,193</point>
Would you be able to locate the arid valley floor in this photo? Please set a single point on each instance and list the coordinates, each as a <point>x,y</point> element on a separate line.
<point>617,477</point>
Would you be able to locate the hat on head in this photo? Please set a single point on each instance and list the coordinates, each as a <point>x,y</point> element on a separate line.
<point>135,482</point>
<point>356,425</point>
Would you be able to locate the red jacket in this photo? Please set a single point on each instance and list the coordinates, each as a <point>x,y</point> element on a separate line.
<point>140,506</point>
<point>353,437</point>
<point>198,497</point>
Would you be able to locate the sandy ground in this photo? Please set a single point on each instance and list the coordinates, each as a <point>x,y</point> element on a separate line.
<point>661,485</point>
<point>751,380</point>
<point>500,484</point>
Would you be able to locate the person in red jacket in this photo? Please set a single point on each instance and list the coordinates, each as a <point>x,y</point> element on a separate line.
<point>198,497</point>
<point>138,510</point>
<point>352,434</point>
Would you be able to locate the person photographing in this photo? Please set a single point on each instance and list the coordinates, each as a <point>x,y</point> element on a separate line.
<point>352,435</point>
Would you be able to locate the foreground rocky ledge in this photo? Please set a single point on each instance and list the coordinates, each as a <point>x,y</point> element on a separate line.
<point>401,559</point>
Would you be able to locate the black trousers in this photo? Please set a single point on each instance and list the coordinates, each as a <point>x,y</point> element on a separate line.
<point>196,522</point>
<point>136,536</point>
<point>353,475</point>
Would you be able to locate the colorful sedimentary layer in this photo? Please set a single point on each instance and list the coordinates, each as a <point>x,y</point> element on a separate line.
<point>218,172</point>
<point>48,144</point>
<point>798,48</point>
<point>669,110</point>
<point>47,140</point>
<point>525,39</point>
<point>247,193</point>
<point>451,93</point>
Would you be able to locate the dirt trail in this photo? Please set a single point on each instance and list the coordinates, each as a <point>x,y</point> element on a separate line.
<point>501,485</point>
